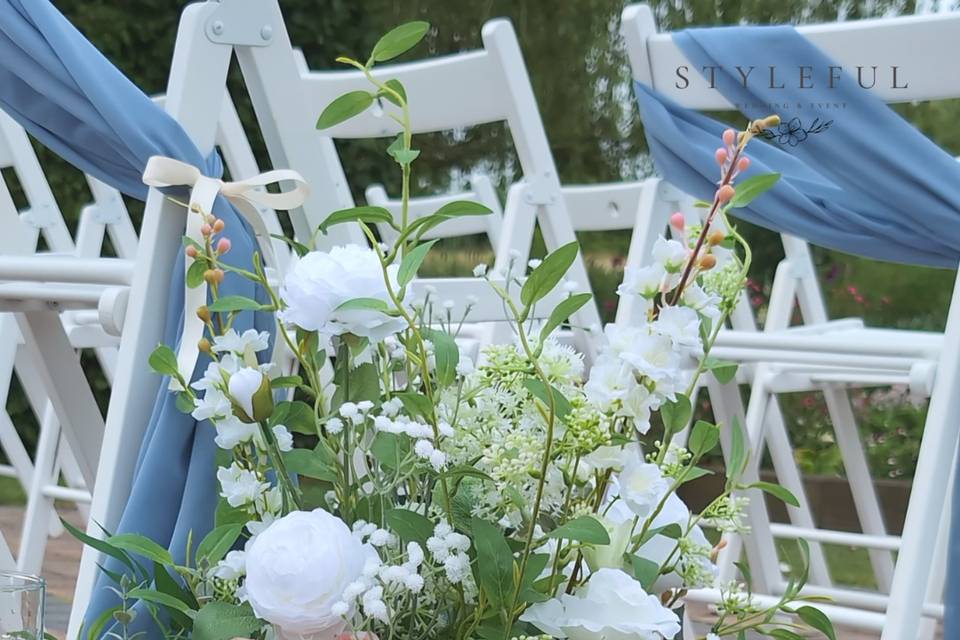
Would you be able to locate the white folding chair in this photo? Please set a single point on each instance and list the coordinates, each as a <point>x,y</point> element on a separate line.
<point>482,191</point>
<point>286,103</point>
<point>106,217</point>
<point>479,87</point>
<point>825,355</point>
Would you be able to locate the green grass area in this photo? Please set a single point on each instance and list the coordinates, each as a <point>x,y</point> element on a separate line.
<point>848,566</point>
<point>11,493</point>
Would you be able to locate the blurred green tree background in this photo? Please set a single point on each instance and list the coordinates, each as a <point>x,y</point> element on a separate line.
<point>581,77</point>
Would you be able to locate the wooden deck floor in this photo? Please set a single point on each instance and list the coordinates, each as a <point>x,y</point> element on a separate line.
<point>62,560</point>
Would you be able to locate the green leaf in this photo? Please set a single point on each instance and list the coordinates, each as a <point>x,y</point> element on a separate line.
<point>696,472</point>
<point>195,273</point>
<point>545,277</point>
<point>745,572</point>
<point>776,491</point>
<point>703,438</point>
<point>286,382</point>
<point>390,450</point>
<point>376,215</point>
<point>446,353</point>
<point>136,543</point>
<point>344,108</point>
<point>103,546</point>
<point>465,471</point>
<point>164,361</point>
<point>722,370</point>
<point>676,414</point>
<point>218,542</point>
<point>229,515</point>
<point>818,620</point>
<point>412,261</point>
<point>399,40</point>
<point>306,462</point>
<point>562,311</point>
<point>409,525</point>
<point>645,571</point>
<point>158,597</point>
<point>224,621</point>
<point>738,451</point>
<point>562,406</point>
<point>171,586</point>
<point>459,208</point>
<point>236,303</point>
<point>749,189</point>
<point>184,404</point>
<point>583,529</point>
<point>494,563</point>
<point>784,634</point>
<point>356,304</point>
<point>297,416</point>
<point>298,247</point>
<point>397,87</point>
<point>99,625</point>
<point>416,404</point>
<point>672,531</point>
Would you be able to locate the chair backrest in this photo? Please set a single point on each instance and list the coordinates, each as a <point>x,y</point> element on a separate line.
<point>42,214</point>
<point>457,91</point>
<point>482,191</point>
<point>920,46</point>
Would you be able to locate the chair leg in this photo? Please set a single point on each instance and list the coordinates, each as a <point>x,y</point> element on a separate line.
<point>758,543</point>
<point>861,481</point>
<point>930,489</point>
<point>785,466</point>
<point>37,520</point>
<point>10,440</point>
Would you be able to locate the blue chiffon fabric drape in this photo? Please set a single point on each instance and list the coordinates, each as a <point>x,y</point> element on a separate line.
<point>65,93</point>
<point>870,184</point>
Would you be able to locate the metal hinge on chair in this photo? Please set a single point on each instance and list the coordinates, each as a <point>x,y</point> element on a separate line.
<point>245,23</point>
<point>540,191</point>
<point>40,216</point>
<point>109,210</point>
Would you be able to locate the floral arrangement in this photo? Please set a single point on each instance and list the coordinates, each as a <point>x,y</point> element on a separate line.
<point>397,487</point>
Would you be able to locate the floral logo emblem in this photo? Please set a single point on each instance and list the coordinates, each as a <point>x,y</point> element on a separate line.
<point>792,132</point>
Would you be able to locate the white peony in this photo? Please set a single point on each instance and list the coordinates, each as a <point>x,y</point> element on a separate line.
<point>298,569</point>
<point>612,606</point>
<point>320,282</point>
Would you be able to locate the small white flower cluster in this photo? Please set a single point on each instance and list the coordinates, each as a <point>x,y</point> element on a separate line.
<point>381,583</point>
<point>643,365</point>
<point>449,548</point>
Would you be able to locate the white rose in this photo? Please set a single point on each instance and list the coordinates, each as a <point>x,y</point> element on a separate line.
<point>681,325</point>
<point>612,606</point>
<point>645,281</point>
<point>670,253</point>
<point>231,431</point>
<point>298,569</point>
<point>642,486</point>
<point>321,282</point>
<point>243,385</point>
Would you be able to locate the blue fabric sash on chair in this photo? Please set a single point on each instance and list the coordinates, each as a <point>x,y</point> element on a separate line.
<point>871,184</point>
<point>66,94</point>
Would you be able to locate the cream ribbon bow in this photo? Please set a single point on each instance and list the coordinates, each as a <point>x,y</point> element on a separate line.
<point>246,196</point>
